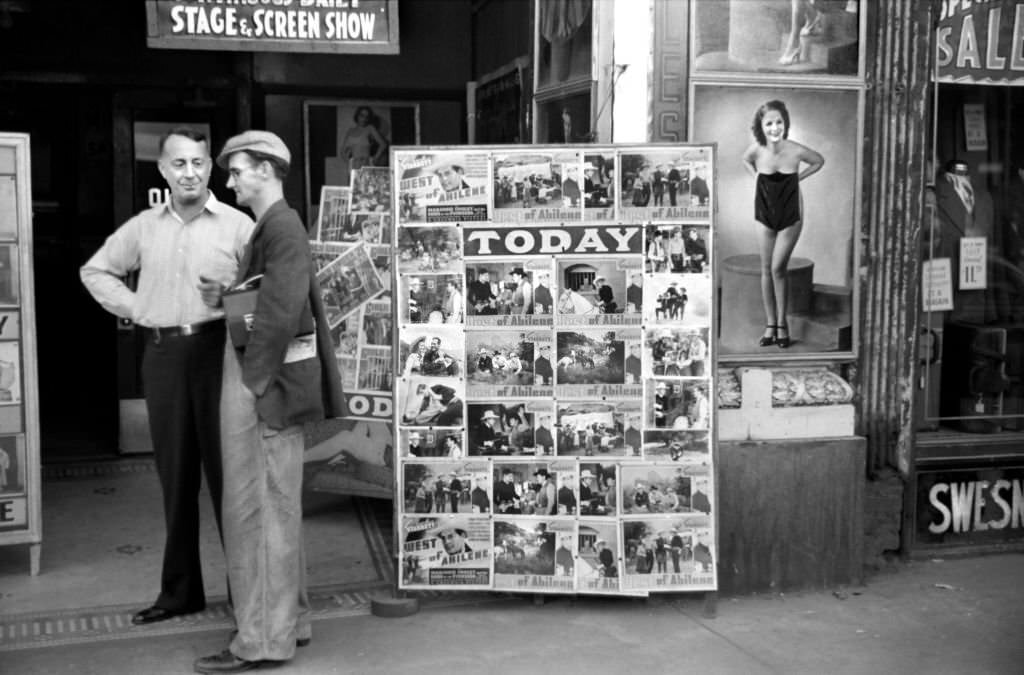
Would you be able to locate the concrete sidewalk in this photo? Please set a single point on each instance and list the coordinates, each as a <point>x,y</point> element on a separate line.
<point>938,616</point>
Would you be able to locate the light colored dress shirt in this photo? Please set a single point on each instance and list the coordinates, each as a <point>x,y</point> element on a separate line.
<point>170,256</point>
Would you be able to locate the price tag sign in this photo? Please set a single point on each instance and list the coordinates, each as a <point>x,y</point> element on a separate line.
<point>937,285</point>
<point>973,270</point>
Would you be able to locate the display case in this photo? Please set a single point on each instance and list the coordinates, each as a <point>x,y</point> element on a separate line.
<point>20,513</point>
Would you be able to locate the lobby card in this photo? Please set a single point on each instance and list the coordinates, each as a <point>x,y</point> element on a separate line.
<point>374,370</point>
<point>536,555</point>
<point>446,551</point>
<point>10,325</point>
<point>381,257</point>
<point>685,447</point>
<point>442,486</point>
<point>668,553</point>
<point>598,489</point>
<point>429,249</point>
<point>665,488</point>
<point>599,428</point>
<point>677,248</point>
<point>371,190</point>
<point>10,373</point>
<point>443,186</point>
<point>537,186</point>
<point>665,184</point>
<point>537,487</point>
<point>431,401</point>
<point>591,364</point>
<point>675,352</point>
<point>593,291</point>
<point>326,252</point>
<point>348,282</point>
<point>435,350</point>
<point>430,443</point>
<point>678,299</point>
<point>677,404</point>
<point>12,465</point>
<point>500,292</point>
<point>334,224</point>
<point>504,363</point>
<point>597,559</point>
<point>509,427</point>
<point>430,298</point>
<point>599,185</point>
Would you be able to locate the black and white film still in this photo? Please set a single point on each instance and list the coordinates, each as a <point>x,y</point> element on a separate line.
<point>678,299</point>
<point>654,548</point>
<point>371,191</point>
<point>665,184</point>
<point>536,488</point>
<point>446,487</point>
<point>534,554</point>
<point>677,248</point>
<point>599,428</point>
<point>509,363</point>
<point>429,249</point>
<point>684,446</point>
<point>677,404</point>
<point>443,187</point>
<point>675,352</point>
<point>597,559</point>
<point>599,185</point>
<point>599,489</point>
<point>595,291</point>
<point>510,427</point>
<point>504,292</point>
<point>348,282</point>
<point>446,551</point>
<point>435,350</point>
<point>431,401</point>
<point>534,186</point>
<point>665,488</point>
<point>430,298</point>
<point>591,364</point>
<point>431,442</point>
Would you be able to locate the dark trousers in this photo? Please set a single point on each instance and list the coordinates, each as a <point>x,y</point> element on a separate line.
<point>182,381</point>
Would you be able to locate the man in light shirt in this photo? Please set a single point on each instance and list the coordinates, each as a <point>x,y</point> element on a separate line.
<point>173,246</point>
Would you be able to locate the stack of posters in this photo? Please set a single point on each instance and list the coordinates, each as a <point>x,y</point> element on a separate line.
<point>554,368</point>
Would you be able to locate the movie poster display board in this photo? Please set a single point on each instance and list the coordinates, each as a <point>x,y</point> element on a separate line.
<point>20,510</point>
<point>553,368</point>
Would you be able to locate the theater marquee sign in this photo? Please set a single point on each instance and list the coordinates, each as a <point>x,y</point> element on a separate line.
<point>323,26</point>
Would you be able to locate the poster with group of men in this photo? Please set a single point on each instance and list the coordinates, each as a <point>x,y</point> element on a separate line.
<point>553,384</point>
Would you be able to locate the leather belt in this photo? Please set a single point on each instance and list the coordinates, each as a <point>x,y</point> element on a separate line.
<point>186,330</point>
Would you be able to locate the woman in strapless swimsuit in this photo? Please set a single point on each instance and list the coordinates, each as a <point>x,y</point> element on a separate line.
<point>774,161</point>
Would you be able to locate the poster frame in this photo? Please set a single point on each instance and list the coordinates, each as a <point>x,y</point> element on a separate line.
<point>16,146</point>
<point>702,216</point>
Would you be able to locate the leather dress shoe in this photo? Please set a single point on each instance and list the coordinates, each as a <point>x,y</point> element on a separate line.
<point>226,662</point>
<point>154,614</point>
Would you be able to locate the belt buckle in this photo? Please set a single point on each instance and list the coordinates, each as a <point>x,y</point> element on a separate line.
<point>188,329</point>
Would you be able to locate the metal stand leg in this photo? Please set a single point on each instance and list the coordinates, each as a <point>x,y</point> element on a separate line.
<point>34,553</point>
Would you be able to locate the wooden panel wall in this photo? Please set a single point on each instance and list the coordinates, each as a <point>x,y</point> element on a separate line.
<point>668,105</point>
<point>791,514</point>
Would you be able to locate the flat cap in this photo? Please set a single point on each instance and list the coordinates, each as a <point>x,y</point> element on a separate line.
<point>255,140</point>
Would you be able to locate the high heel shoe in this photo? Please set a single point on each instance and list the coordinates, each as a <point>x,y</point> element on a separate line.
<point>790,57</point>
<point>768,340</point>
<point>783,342</point>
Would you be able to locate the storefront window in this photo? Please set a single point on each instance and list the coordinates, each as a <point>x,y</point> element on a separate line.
<point>564,81</point>
<point>973,302</point>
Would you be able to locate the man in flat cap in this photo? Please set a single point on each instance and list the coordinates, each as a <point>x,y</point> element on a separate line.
<point>173,246</point>
<point>284,375</point>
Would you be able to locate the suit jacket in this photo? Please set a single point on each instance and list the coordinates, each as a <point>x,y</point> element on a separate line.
<point>288,304</point>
